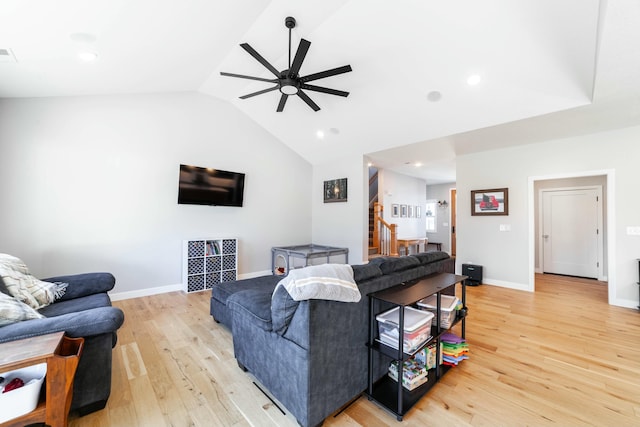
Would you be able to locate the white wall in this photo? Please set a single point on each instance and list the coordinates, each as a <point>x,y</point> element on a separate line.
<point>90,184</point>
<point>403,190</point>
<point>508,256</point>
<point>342,224</point>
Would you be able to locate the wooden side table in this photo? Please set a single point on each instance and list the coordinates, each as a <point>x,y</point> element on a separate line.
<point>62,355</point>
<point>417,241</point>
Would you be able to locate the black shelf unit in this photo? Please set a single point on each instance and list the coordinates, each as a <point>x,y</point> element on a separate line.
<point>386,391</point>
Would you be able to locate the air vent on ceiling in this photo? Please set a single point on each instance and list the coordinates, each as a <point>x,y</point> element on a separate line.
<point>7,56</point>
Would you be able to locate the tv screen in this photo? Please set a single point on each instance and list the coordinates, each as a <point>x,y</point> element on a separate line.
<point>206,186</point>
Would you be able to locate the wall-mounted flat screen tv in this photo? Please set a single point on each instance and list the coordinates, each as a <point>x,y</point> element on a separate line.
<point>206,186</point>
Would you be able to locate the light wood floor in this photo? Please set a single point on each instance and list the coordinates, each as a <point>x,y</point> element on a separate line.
<point>560,356</point>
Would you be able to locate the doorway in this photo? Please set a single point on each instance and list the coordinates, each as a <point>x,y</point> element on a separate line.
<point>571,231</point>
<point>454,204</point>
<point>605,179</point>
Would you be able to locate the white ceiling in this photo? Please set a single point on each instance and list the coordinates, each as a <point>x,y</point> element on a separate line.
<point>549,68</point>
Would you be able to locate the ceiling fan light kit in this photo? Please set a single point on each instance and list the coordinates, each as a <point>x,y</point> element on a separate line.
<point>288,81</point>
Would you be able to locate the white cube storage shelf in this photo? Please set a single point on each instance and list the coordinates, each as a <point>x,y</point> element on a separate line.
<point>208,261</point>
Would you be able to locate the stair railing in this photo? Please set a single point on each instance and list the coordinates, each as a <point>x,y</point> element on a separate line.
<point>385,235</point>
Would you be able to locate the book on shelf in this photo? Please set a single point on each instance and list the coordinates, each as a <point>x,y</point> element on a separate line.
<point>212,248</point>
<point>414,373</point>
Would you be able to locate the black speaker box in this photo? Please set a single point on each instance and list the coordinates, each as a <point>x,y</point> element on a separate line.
<point>474,272</point>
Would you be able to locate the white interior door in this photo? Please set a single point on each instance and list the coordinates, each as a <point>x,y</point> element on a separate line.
<point>571,232</point>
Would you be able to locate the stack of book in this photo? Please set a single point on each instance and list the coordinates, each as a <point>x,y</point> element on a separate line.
<point>454,349</point>
<point>427,356</point>
<point>414,373</point>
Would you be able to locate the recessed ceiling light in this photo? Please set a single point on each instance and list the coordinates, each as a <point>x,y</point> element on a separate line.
<point>87,56</point>
<point>418,164</point>
<point>473,80</point>
<point>434,96</point>
<point>83,37</point>
<point>320,134</point>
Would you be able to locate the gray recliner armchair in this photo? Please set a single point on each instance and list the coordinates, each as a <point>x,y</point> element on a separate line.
<point>84,311</point>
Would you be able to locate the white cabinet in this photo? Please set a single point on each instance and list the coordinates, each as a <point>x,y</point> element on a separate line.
<point>208,261</point>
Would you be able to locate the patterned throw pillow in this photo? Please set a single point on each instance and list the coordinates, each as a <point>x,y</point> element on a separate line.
<point>26,288</point>
<point>12,310</point>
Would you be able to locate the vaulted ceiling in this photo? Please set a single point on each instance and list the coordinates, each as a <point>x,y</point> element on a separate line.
<point>546,68</point>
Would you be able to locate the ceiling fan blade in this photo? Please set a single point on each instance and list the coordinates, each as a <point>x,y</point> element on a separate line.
<point>283,100</point>
<point>324,90</point>
<point>303,48</point>
<point>327,73</point>
<point>308,100</point>
<point>260,59</point>
<point>260,92</point>
<point>241,76</point>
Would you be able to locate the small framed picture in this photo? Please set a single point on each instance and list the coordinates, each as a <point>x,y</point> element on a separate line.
<point>410,213</point>
<point>418,212</point>
<point>395,211</point>
<point>403,211</point>
<point>490,202</point>
<point>335,190</point>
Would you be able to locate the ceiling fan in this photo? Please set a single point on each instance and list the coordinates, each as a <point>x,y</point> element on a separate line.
<point>288,81</point>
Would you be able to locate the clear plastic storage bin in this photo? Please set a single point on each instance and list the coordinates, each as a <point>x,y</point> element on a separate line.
<point>448,310</point>
<point>417,328</point>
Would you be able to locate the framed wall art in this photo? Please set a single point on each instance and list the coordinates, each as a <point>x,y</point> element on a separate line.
<point>403,211</point>
<point>395,210</point>
<point>335,190</point>
<point>490,202</point>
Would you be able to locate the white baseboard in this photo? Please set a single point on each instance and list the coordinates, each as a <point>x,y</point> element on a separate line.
<point>509,285</point>
<point>116,296</point>
<point>627,303</point>
<point>255,274</point>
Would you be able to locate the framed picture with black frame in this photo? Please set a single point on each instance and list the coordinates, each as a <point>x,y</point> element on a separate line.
<point>335,190</point>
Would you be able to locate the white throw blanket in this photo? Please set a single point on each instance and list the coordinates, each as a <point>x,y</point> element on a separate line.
<point>25,287</point>
<point>326,281</point>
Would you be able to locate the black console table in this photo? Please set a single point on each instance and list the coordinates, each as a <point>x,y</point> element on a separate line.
<point>387,392</point>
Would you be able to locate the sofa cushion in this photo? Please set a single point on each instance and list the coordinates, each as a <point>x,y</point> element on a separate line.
<point>12,310</point>
<point>364,272</point>
<point>222,291</point>
<point>429,257</point>
<point>282,309</point>
<point>83,284</point>
<point>392,264</point>
<point>257,303</point>
<point>76,305</point>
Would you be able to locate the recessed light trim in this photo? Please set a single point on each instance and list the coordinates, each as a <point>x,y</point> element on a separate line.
<point>474,79</point>
<point>87,56</point>
<point>434,96</point>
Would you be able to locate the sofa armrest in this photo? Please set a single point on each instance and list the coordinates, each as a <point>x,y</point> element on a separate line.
<point>85,323</point>
<point>81,285</point>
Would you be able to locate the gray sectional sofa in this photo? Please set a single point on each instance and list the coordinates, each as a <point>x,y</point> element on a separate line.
<point>312,355</point>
